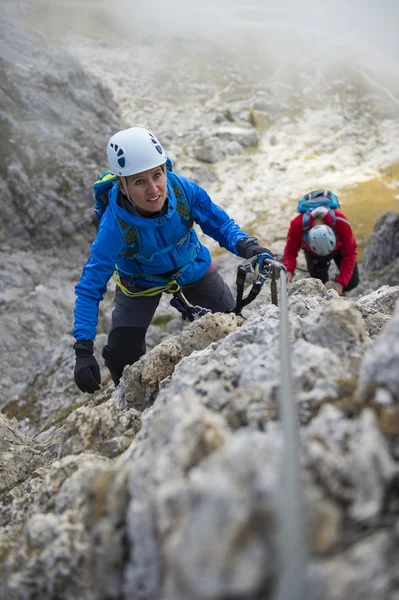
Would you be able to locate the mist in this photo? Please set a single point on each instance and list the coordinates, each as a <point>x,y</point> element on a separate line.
<point>362,33</point>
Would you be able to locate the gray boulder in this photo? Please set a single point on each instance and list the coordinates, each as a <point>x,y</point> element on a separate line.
<point>383,248</point>
<point>55,122</point>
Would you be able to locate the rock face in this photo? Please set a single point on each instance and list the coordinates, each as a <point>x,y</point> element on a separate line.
<point>141,381</point>
<point>169,486</point>
<point>379,364</point>
<point>381,256</point>
<point>55,121</point>
<point>54,124</point>
<point>19,455</point>
<point>383,248</point>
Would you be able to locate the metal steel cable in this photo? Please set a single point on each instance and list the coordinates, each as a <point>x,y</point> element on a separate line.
<point>293,548</point>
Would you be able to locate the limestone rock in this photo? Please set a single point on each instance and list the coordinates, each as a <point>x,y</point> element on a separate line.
<point>140,382</point>
<point>382,300</point>
<point>383,247</point>
<point>337,326</point>
<point>103,429</point>
<point>307,287</point>
<point>352,460</point>
<point>19,455</point>
<point>379,366</point>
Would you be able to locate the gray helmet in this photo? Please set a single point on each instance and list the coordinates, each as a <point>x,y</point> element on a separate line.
<point>322,239</point>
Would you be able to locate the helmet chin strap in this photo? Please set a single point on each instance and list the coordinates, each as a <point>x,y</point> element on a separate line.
<point>125,188</point>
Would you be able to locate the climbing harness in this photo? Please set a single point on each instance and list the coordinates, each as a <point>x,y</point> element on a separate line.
<point>293,551</point>
<point>187,310</point>
<point>171,287</point>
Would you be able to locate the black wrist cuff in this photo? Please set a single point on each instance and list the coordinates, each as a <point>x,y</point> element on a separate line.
<point>243,244</point>
<point>83,347</point>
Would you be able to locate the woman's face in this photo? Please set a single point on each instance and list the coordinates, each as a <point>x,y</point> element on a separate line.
<point>147,190</point>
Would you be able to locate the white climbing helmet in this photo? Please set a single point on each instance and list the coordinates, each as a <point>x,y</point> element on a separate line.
<point>322,239</point>
<point>134,150</point>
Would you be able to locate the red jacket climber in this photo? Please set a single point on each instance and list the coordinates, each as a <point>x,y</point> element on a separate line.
<point>324,234</point>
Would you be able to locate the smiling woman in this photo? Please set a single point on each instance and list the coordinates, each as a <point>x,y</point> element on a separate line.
<point>136,156</point>
<point>146,190</point>
<point>146,234</point>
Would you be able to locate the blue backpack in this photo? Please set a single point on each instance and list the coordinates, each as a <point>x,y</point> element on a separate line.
<point>102,186</point>
<point>312,200</point>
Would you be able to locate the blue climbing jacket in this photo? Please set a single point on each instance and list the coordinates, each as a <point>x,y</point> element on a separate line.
<point>168,249</point>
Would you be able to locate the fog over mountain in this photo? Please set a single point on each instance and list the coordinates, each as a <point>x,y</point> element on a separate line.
<point>360,35</point>
<point>363,32</point>
<point>363,27</point>
<point>169,487</point>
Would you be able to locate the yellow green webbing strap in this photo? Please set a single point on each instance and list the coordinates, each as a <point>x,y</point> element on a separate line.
<point>170,288</point>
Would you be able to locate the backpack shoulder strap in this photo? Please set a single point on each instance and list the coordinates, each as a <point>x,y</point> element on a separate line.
<point>101,187</point>
<point>130,235</point>
<point>182,205</point>
<point>305,222</point>
<point>334,219</point>
<point>343,220</point>
<point>305,225</point>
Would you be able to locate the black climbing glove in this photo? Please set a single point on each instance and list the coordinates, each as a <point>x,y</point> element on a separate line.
<point>249,247</point>
<point>87,371</point>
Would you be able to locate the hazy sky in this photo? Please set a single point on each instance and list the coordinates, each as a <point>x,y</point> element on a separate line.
<point>363,31</point>
<point>366,29</point>
<point>365,21</point>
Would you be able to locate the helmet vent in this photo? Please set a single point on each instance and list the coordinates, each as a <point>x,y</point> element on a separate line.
<point>130,152</point>
<point>119,153</point>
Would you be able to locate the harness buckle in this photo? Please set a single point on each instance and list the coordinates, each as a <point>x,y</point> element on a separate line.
<point>182,240</point>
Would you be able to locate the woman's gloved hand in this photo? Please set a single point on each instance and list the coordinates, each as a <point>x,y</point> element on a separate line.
<point>87,372</point>
<point>249,247</point>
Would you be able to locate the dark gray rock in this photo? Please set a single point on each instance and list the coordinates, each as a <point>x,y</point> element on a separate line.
<point>383,247</point>
<point>54,124</point>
